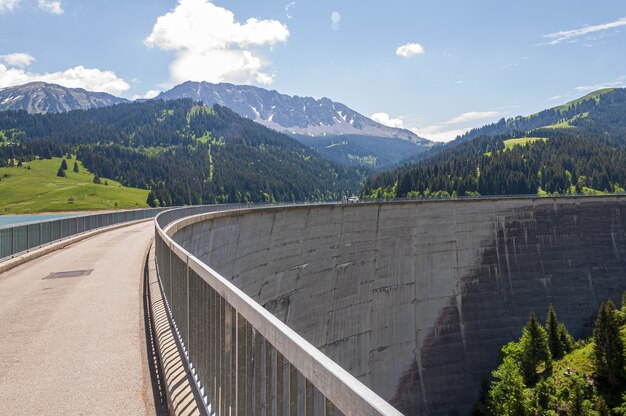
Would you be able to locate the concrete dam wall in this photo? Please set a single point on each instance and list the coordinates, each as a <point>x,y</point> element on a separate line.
<point>416,298</point>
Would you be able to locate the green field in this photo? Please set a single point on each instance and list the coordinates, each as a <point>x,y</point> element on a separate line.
<point>522,141</point>
<point>39,189</point>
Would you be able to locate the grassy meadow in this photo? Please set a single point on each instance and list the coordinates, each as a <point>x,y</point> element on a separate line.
<point>35,187</point>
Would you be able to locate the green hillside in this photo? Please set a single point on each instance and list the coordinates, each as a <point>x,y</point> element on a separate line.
<point>582,150</point>
<point>35,187</point>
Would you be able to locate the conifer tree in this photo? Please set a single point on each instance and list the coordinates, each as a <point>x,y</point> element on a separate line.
<point>552,329</point>
<point>507,392</point>
<point>608,345</point>
<point>151,201</point>
<point>64,165</point>
<point>75,167</point>
<point>61,172</point>
<point>535,350</point>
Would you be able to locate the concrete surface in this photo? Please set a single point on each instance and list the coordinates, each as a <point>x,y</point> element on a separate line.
<point>415,299</point>
<point>76,345</point>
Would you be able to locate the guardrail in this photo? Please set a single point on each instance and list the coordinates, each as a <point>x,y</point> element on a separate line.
<point>17,239</point>
<point>244,360</point>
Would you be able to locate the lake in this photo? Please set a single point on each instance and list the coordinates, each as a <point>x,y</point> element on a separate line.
<point>18,219</point>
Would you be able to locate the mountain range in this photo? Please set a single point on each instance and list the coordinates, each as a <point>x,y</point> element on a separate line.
<point>184,152</point>
<point>336,131</point>
<point>41,98</point>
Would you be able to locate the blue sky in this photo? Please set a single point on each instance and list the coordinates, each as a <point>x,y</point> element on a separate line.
<point>436,67</point>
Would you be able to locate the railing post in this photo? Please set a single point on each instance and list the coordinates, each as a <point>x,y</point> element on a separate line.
<point>188,333</point>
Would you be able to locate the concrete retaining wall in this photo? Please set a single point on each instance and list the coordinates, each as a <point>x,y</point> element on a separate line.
<point>415,299</point>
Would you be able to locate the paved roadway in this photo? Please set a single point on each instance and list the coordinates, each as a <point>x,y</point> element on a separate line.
<point>76,345</point>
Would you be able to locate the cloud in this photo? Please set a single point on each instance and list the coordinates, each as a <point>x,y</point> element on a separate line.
<point>147,96</point>
<point>385,119</point>
<point>91,79</point>
<point>335,21</point>
<point>438,133</point>
<point>574,34</point>
<point>8,5</point>
<point>555,97</point>
<point>472,116</point>
<point>410,49</point>
<point>50,6</point>
<point>211,45</point>
<point>288,8</point>
<point>455,126</point>
<point>617,83</point>
<point>18,59</point>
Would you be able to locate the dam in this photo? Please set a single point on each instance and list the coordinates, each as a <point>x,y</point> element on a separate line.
<point>413,299</point>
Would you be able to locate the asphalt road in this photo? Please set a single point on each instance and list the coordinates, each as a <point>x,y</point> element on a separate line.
<point>75,345</point>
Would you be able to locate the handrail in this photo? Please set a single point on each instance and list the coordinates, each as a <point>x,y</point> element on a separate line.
<point>19,238</point>
<point>273,350</point>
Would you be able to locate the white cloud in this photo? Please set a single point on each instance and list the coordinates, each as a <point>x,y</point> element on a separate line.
<point>450,129</point>
<point>574,34</point>
<point>556,97</point>
<point>472,116</point>
<point>617,83</point>
<point>147,96</point>
<point>385,119</point>
<point>410,49</point>
<point>335,20</point>
<point>8,5</point>
<point>18,59</point>
<point>438,133</point>
<point>211,45</point>
<point>91,79</point>
<point>288,8</point>
<point>50,6</point>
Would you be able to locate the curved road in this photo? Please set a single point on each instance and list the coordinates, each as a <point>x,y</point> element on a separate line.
<point>76,344</point>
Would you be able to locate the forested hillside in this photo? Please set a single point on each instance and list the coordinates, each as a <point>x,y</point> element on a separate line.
<point>183,152</point>
<point>581,149</point>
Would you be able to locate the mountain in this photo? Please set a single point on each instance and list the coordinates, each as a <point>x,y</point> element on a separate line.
<point>183,152</point>
<point>560,117</point>
<point>339,127</point>
<point>579,147</point>
<point>41,97</point>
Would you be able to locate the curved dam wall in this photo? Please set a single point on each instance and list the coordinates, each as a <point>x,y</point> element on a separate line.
<point>416,298</point>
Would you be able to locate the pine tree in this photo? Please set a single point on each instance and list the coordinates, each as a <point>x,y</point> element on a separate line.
<point>535,350</point>
<point>61,172</point>
<point>75,167</point>
<point>151,200</point>
<point>96,179</point>
<point>608,345</point>
<point>552,329</point>
<point>507,394</point>
<point>64,165</point>
<point>567,341</point>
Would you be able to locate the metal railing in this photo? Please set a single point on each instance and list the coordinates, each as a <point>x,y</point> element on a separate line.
<point>17,239</point>
<point>245,361</point>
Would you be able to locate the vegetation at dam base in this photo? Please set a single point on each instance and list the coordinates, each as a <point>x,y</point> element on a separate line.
<point>546,373</point>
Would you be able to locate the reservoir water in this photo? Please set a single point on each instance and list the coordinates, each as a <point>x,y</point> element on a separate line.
<point>19,219</point>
